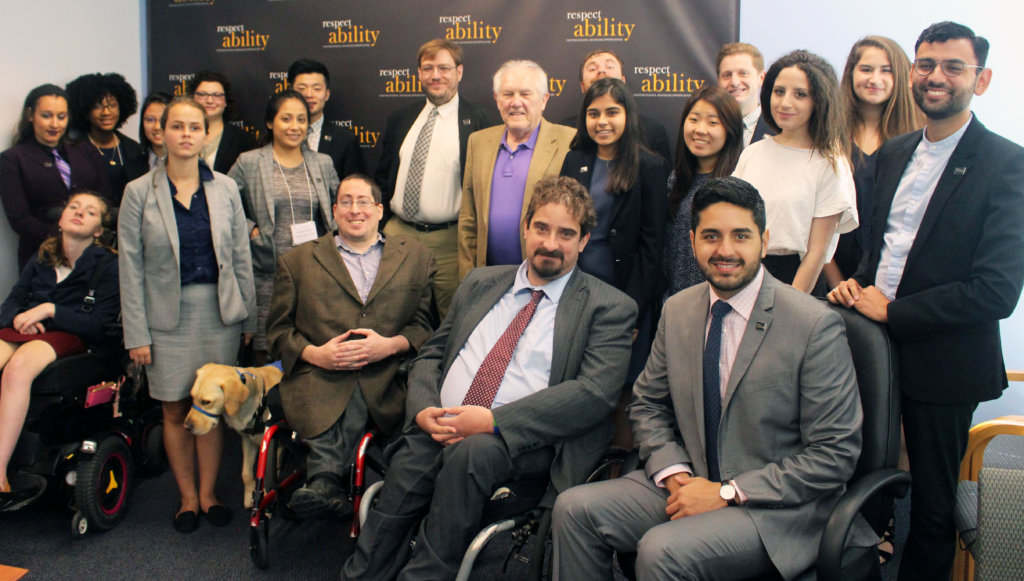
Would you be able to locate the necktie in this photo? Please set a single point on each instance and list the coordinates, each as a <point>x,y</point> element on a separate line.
<point>63,168</point>
<point>492,369</point>
<point>414,180</point>
<point>712,386</point>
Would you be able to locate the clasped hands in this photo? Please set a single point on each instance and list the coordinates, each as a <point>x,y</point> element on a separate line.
<point>690,495</point>
<point>343,353</point>
<point>868,301</point>
<point>450,425</point>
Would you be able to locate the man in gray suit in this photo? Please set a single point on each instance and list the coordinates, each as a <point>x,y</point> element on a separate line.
<point>481,411</point>
<point>745,455</point>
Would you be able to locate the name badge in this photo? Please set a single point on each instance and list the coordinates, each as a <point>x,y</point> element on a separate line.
<point>303,232</point>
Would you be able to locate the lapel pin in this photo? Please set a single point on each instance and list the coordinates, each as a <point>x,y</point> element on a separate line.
<point>959,171</point>
<point>465,121</point>
<point>327,137</point>
<point>759,326</point>
<point>584,169</point>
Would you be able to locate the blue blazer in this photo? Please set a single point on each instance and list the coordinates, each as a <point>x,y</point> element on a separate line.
<point>38,284</point>
<point>149,258</point>
<point>637,228</point>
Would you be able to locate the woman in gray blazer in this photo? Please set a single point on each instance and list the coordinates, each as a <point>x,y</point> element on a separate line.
<point>287,191</point>
<point>187,294</point>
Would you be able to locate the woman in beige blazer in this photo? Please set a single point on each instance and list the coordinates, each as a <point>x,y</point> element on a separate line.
<point>187,294</point>
<point>287,190</point>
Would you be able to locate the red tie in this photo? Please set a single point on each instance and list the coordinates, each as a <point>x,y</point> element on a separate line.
<point>492,370</point>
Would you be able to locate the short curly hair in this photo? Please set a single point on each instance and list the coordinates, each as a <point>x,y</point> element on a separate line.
<point>208,76</point>
<point>88,90</point>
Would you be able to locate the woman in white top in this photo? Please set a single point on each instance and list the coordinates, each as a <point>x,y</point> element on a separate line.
<point>803,173</point>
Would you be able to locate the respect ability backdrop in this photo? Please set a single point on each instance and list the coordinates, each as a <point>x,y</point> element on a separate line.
<point>668,47</point>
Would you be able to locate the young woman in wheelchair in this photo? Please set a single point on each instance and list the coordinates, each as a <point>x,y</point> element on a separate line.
<point>57,308</point>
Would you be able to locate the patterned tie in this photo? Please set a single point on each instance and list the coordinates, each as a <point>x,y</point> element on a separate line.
<point>63,168</point>
<point>414,180</point>
<point>712,386</point>
<point>492,370</point>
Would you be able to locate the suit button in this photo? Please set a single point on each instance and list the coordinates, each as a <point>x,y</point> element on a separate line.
<point>364,313</point>
<point>613,232</point>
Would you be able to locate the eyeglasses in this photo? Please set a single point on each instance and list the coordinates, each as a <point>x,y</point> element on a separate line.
<point>361,204</point>
<point>201,95</point>
<point>112,105</point>
<point>443,69</point>
<point>952,68</point>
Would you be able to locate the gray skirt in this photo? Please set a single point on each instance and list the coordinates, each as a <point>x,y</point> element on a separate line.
<point>199,338</point>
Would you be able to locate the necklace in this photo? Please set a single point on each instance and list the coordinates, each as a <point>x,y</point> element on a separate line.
<point>115,155</point>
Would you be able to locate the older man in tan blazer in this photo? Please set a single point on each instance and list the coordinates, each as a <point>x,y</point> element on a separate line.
<point>347,309</point>
<point>503,163</point>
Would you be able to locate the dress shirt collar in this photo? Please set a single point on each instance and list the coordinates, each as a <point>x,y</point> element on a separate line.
<point>317,126</point>
<point>344,246</point>
<point>743,301</point>
<point>947,144</point>
<point>448,109</point>
<point>530,143</point>
<point>552,290</point>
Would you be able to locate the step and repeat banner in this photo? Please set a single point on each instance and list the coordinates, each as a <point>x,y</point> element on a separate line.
<point>668,47</point>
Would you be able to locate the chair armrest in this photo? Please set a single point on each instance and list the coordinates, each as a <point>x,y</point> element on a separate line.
<point>891,481</point>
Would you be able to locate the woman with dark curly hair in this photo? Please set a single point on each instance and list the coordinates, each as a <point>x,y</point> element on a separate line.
<point>224,142</point>
<point>100,105</point>
<point>803,173</point>
<point>41,169</point>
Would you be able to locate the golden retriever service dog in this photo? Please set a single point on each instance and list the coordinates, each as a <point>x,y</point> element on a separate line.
<point>239,395</point>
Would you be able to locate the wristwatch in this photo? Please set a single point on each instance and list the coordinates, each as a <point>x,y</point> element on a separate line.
<point>728,494</point>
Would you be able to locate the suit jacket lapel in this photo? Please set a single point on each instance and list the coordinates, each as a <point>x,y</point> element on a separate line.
<point>545,150</point>
<point>885,190</point>
<point>694,321</point>
<point>266,173</point>
<point>465,128</point>
<point>567,317</point>
<point>326,253</point>
<point>488,293</point>
<point>392,257</point>
<point>485,168</point>
<point>165,202</point>
<point>953,175</point>
<point>757,327</point>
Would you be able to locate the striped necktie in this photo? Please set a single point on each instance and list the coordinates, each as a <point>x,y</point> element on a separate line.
<point>63,168</point>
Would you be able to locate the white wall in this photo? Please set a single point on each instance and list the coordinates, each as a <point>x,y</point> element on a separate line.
<point>54,41</point>
<point>831,28</point>
<point>103,36</point>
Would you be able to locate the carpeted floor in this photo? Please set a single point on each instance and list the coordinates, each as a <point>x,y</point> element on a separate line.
<point>145,546</point>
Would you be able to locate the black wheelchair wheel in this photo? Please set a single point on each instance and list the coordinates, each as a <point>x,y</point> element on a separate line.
<point>259,544</point>
<point>154,456</point>
<point>103,482</point>
<point>79,526</point>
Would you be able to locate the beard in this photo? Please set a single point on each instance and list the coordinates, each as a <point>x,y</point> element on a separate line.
<point>547,269</point>
<point>959,100</point>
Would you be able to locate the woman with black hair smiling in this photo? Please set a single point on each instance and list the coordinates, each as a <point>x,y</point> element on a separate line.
<point>41,169</point>
<point>100,104</point>
<point>225,142</point>
<point>287,191</point>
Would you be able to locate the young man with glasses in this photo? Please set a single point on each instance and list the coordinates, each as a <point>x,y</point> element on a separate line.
<point>945,265</point>
<point>422,158</point>
<point>341,337</point>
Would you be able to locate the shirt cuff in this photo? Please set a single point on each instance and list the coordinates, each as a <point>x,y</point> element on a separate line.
<point>660,476</point>
<point>739,493</point>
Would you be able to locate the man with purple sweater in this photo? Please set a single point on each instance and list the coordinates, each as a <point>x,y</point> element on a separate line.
<point>503,164</point>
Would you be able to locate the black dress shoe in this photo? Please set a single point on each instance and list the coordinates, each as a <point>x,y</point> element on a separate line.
<point>218,515</point>
<point>322,495</point>
<point>186,522</point>
<point>18,498</point>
